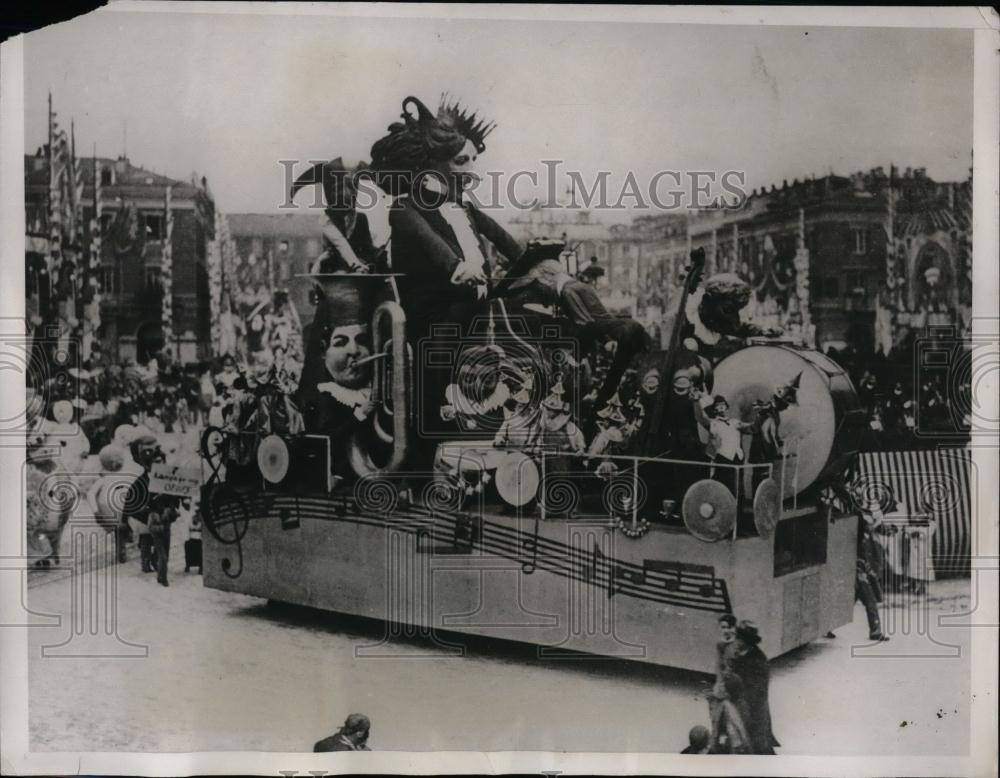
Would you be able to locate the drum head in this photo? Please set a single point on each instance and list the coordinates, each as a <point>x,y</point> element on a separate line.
<point>272,459</point>
<point>62,411</point>
<point>517,479</point>
<point>766,507</point>
<point>709,511</point>
<point>807,428</point>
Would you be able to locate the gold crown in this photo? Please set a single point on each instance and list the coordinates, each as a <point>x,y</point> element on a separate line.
<point>466,123</point>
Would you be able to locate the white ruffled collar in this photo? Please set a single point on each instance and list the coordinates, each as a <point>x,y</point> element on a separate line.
<point>352,398</point>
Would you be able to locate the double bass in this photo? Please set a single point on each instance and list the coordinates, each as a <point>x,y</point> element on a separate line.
<point>652,435</point>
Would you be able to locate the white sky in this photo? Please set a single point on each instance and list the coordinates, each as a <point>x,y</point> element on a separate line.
<point>228,96</point>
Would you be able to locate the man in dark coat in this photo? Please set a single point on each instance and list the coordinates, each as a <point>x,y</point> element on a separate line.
<point>353,736</point>
<point>750,664</point>
<point>156,511</point>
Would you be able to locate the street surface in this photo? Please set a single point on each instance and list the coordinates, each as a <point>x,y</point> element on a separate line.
<point>229,672</point>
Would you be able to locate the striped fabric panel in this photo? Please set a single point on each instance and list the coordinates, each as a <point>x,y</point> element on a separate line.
<point>936,482</point>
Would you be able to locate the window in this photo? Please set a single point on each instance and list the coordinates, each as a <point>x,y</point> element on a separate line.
<point>827,287</point>
<point>107,176</point>
<point>799,543</point>
<point>283,270</point>
<point>153,278</point>
<point>283,247</point>
<point>109,279</point>
<point>860,240</point>
<point>154,226</point>
<point>855,283</point>
<point>34,219</point>
<point>106,219</point>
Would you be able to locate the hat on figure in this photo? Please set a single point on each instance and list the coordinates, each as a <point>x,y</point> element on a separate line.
<point>334,177</point>
<point>747,632</point>
<point>613,406</point>
<point>344,300</point>
<point>555,402</point>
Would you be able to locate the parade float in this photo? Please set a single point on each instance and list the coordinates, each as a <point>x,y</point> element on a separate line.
<point>621,551</point>
<point>479,447</point>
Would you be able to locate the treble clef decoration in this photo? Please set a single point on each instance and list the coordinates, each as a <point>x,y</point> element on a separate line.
<point>226,516</point>
<point>213,446</point>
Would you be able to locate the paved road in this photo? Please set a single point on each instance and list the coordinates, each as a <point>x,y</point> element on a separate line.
<point>228,672</point>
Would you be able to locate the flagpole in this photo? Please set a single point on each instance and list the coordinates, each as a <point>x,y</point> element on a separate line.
<point>74,206</point>
<point>46,312</point>
<point>166,276</point>
<point>48,194</point>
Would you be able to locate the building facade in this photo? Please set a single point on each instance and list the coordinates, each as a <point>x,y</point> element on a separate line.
<point>124,210</point>
<point>853,261</point>
<point>273,252</point>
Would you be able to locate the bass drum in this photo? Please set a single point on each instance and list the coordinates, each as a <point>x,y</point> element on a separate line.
<point>821,432</point>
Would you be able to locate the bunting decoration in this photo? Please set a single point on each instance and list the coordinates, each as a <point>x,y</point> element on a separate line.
<point>807,330</point>
<point>167,274</point>
<point>56,154</point>
<point>93,291</point>
<point>222,268</point>
<point>61,306</point>
<point>215,286</point>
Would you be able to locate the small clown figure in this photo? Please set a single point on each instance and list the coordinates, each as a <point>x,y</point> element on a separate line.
<point>520,425</point>
<point>610,436</point>
<point>558,432</point>
<point>724,434</point>
<point>611,428</point>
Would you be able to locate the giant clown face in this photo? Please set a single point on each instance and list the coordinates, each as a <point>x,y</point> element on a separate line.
<point>348,345</point>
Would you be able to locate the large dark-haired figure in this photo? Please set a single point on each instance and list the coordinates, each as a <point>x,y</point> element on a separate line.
<point>426,162</point>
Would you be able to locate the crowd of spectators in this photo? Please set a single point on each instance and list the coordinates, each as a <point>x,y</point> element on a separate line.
<point>908,407</point>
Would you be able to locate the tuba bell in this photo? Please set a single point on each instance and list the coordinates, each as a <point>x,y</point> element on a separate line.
<point>390,395</point>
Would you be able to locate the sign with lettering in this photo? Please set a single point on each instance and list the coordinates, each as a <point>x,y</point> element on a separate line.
<point>177,480</point>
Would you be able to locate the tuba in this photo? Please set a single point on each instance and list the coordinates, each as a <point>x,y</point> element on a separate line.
<point>390,394</point>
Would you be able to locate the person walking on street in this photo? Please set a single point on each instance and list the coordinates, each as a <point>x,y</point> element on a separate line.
<point>750,664</point>
<point>867,585</point>
<point>724,653</point>
<point>353,736</point>
<point>163,514</point>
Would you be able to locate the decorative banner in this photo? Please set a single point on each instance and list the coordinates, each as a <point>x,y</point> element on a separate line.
<point>176,480</point>
<point>214,288</point>
<point>92,296</point>
<point>890,233</point>
<point>167,275</point>
<point>55,206</point>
